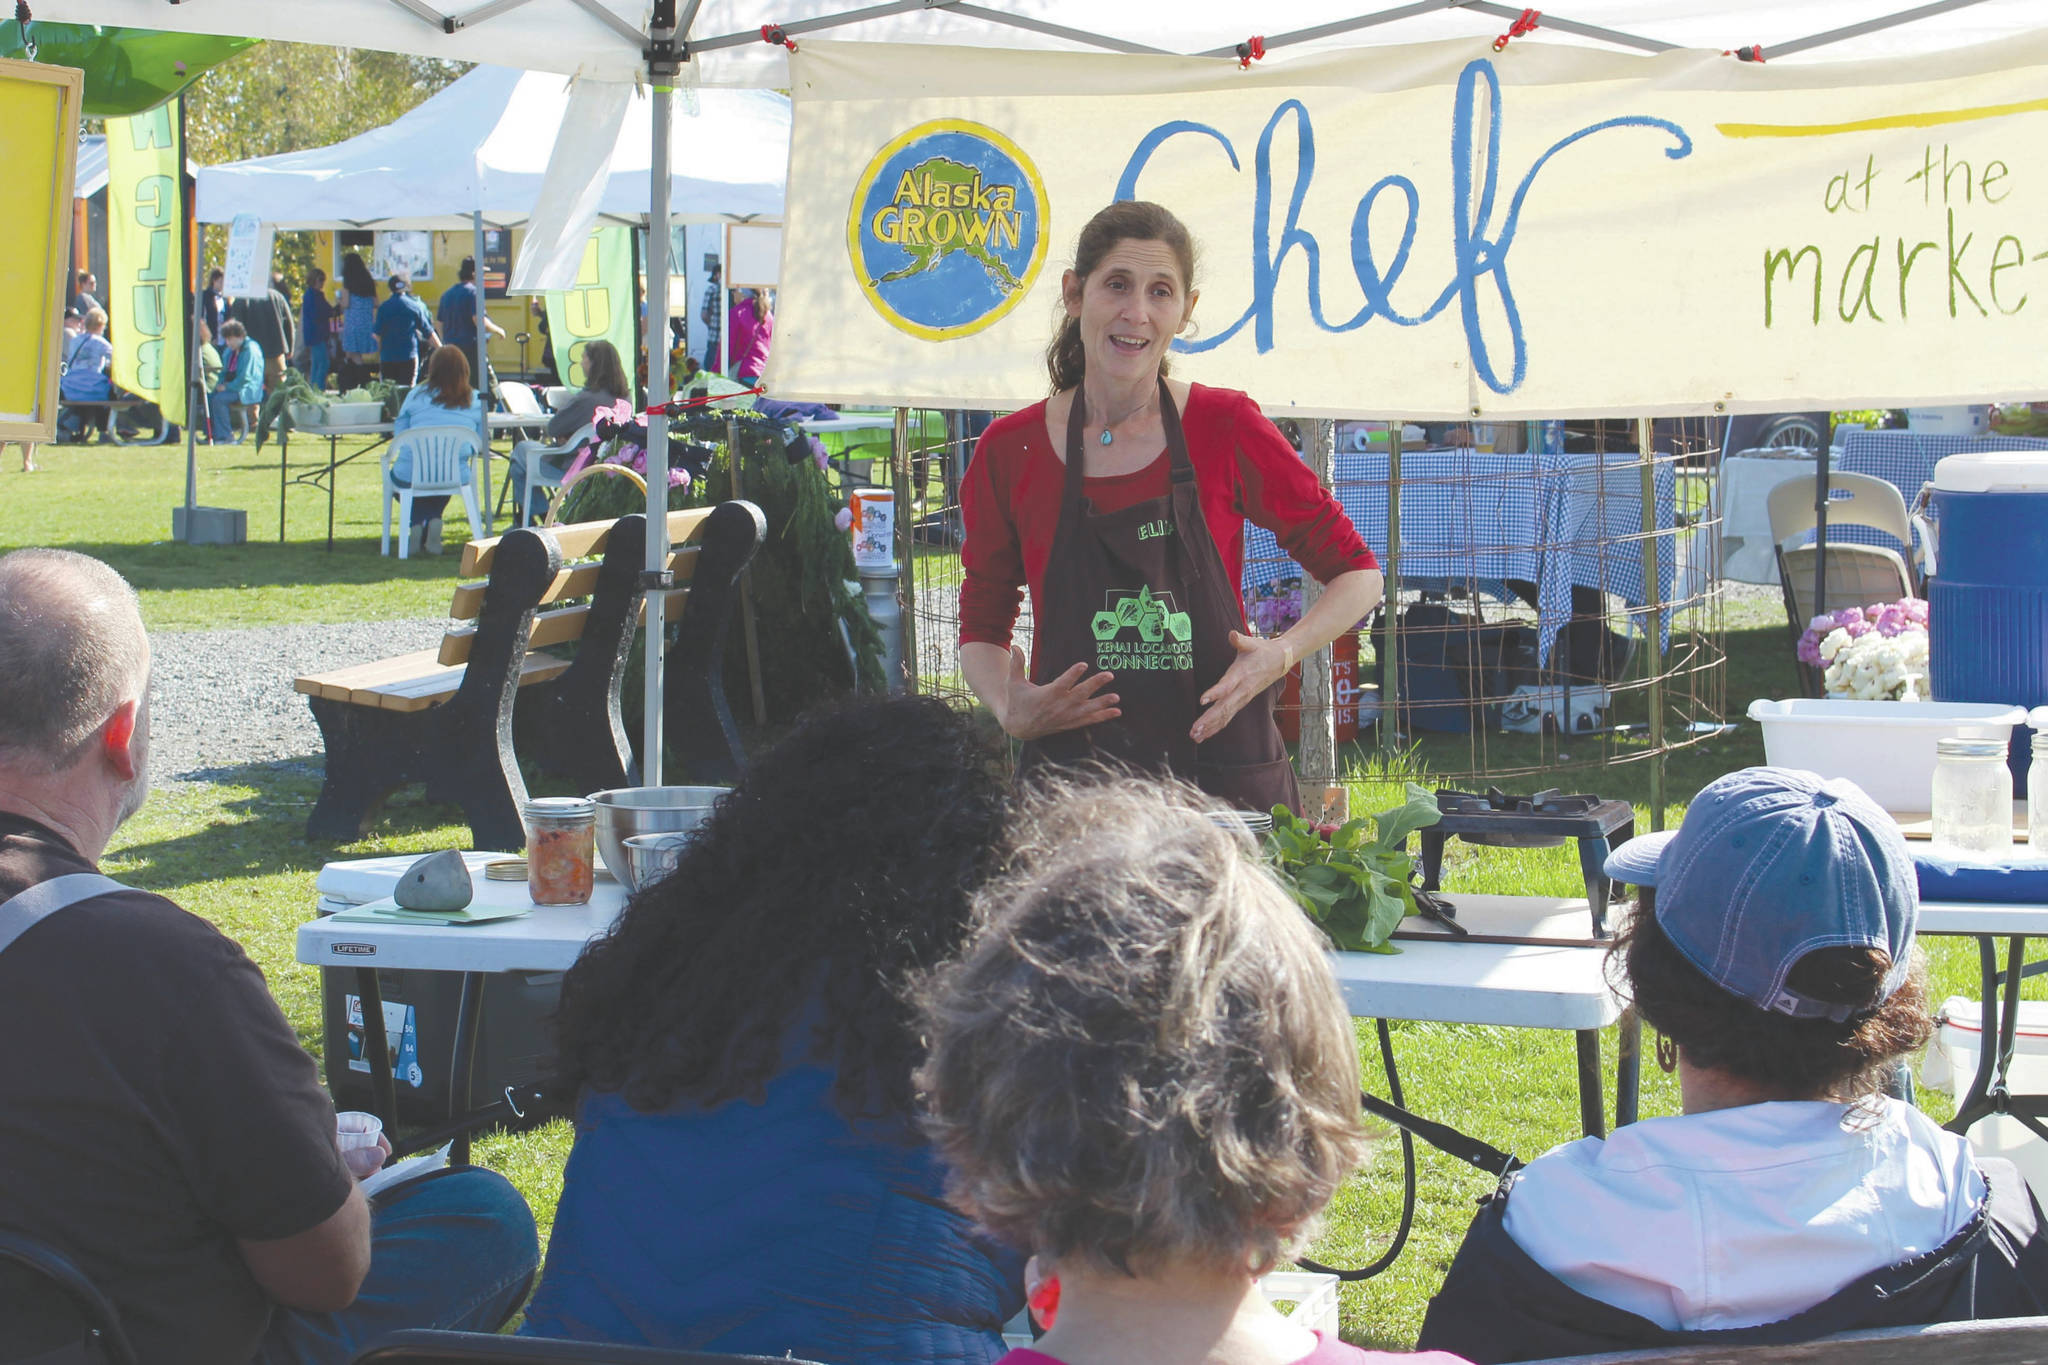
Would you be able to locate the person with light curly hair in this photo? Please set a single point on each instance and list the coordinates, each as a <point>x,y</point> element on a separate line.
<point>1141,1071</point>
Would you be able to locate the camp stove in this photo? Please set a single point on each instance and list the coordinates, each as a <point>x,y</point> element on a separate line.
<point>1544,820</point>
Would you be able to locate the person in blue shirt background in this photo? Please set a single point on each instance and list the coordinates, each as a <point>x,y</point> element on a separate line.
<point>457,316</point>
<point>86,385</point>
<point>402,324</point>
<point>316,326</point>
<point>241,381</point>
<point>444,400</point>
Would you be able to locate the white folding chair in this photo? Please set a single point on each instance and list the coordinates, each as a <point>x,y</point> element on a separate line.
<point>529,458</point>
<point>441,459</point>
<point>554,395</point>
<point>520,400</point>
<point>1858,575</point>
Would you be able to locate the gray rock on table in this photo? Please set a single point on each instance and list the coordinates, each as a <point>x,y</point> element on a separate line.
<point>439,881</point>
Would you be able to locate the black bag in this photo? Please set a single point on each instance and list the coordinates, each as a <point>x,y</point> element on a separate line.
<point>1456,669</point>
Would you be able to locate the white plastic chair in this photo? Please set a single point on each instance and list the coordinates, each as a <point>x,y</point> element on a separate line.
<point>530,456</point>
<point>520,400</point>
<point>554,395</point>
<point>441,459</point>
<point>1858,575</point>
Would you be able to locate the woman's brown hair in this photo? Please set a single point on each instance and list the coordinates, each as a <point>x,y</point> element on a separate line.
<point>1788,1058</point>
<point>1125,221</point>
<point>448,378</point>
<point>603,370</point>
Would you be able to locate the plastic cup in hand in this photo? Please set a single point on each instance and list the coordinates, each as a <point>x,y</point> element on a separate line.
<point>354,1129</point>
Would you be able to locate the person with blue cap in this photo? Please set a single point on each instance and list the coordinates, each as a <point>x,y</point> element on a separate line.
<point>1792,1198</point>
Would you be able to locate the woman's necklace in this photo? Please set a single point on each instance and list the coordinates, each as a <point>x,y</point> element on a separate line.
<point>1108,432</point>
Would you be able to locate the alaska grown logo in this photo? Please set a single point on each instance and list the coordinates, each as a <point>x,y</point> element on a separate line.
<point>947,229</point>
<point>1141,630</point>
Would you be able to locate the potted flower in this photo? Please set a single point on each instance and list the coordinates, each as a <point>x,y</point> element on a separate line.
<point>1876,653</point>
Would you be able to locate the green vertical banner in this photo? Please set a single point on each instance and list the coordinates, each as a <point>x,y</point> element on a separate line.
<point>145,259</point>
<point>600,306</point>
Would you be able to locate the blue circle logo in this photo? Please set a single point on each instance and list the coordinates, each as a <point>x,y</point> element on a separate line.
<point>947,229</point>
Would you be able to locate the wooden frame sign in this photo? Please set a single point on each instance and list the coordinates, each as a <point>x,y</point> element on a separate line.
<point>39,109</point>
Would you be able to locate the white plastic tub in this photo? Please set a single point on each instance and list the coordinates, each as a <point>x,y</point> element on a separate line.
<point>1951,1064</point>
<point>1884,747</point>
<point>353,414</point>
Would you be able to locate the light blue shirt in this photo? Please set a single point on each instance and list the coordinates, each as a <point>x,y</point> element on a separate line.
<point>421,410</point>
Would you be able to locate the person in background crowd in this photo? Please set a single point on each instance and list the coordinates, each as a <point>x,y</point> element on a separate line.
<point>268,321</point>
<point>456,313</point>
<point>212,301</point>
<point>166,1129</point>
<point>241,381</point>
<point>1140,1070</point>
<point>87,381</point>
<point>748,1176</point>
<point>402,324</point>
<point>316,326</point>
<point>1792,1199</point>
<point>357,304</point>
<point>210,366</point>
<point>445,399</point>
<point>712,314</point>
<point>83,299</point>
<point>752,329</point>
<point>604,383</point>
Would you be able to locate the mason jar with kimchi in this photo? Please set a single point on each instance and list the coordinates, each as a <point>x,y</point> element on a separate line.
<point>561,850</point>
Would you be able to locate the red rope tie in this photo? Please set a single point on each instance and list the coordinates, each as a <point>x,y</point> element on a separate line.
<point>1250,50</point>
<point>1753,53</point>
<point>685,404</point>
<point>772,33</point>
<point>1520,28</point>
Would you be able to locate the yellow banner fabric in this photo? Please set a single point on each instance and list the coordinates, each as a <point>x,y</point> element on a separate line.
<point>146,290</point>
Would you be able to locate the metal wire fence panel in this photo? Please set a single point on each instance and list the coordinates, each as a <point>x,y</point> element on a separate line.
<point>1530,585</point>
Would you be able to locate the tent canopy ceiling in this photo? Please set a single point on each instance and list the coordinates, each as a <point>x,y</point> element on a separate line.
<point>604,38</point>
<point>483,144</point>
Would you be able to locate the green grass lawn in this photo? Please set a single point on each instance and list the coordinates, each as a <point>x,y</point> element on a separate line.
<point>234,851</point>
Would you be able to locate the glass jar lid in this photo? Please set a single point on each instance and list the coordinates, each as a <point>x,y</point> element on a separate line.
<point>561,808</point>
<point>1969,748</point>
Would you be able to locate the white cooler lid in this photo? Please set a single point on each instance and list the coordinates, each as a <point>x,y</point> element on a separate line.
<point>1993,471</point>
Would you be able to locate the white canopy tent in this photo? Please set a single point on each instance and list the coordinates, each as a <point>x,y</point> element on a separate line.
<point>482,146</point>
<point>674,43</point>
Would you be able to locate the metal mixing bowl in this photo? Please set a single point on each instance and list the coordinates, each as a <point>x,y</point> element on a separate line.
<point>623,811</point>
<point>652,857</point>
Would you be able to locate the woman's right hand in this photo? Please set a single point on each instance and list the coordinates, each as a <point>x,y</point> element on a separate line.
<point>1068,702</point>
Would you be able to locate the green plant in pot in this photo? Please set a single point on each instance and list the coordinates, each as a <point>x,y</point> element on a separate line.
<point>282,406</point>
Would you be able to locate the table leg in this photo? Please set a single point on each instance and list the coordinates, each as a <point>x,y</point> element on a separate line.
<point>330,494</point>
<point>1628,1070</point>
<point>462,1071</point>
<point>1592,1107</point>
<point>489,513</point>
<point>1986,1094</point>
<point>376,1050</point>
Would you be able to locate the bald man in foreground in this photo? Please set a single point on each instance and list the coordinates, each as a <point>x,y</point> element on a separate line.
<point>159,1122</point>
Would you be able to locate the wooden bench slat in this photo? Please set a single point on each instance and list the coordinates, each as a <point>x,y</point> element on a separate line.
<point>549,628</point>
<point>428,684</point>
<point>579,580</point>
<point>342,681</point>
<point>578,539</point>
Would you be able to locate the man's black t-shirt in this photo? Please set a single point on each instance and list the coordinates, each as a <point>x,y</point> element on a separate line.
<point>154,1107</point>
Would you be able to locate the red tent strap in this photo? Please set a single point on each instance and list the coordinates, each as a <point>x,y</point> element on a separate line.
<point>685,404</point>
<point>772,33</point>
<point>1250,50</point>
<point>1753,53</point>
<point>1524,25</point>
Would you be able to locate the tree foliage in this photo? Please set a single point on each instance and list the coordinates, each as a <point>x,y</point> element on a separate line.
<point>286,97</point>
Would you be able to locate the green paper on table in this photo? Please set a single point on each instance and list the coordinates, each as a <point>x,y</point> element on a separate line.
<point>389,911</point>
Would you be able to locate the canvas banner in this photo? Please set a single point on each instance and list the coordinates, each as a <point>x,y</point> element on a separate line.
<point>146,298</point>
<point>38,139</point>
<point>1434,231</point>
<point>600,305</point>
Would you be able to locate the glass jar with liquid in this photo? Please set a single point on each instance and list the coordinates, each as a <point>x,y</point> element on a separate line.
<point>561,850</point>
<point>2037,797</point>
<point>1972,799</point>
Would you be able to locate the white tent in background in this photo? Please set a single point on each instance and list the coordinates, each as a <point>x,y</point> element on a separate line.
<point>483,144</point>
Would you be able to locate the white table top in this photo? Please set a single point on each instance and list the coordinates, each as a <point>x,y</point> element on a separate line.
<point>1468,983</point>
<point>1982,917</point>
<point>881,421</point>
<point>499,421</point>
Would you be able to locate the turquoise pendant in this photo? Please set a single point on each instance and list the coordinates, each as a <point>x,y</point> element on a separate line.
<point>1106,437</point>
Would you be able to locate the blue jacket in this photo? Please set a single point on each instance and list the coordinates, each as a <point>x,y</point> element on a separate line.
<point>769,1228</point>
<point>242,372</point>
<point>402,323</point>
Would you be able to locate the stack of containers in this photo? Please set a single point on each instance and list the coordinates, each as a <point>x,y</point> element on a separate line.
<point>1988,605</point>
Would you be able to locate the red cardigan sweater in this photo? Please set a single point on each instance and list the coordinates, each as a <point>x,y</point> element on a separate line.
<point>1244,469</point>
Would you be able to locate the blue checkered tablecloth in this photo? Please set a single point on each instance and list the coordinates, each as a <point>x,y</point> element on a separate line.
<point>1906,460</point>
<point>1475,520</point>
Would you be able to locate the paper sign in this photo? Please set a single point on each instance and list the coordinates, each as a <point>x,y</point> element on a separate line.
<point>250,241</point>
<point>412,252</point>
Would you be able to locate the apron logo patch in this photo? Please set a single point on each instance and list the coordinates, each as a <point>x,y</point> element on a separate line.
<point>1154,530</point>
<point>1141,631</point>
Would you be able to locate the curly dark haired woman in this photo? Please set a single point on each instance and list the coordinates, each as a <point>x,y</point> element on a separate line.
<point>747,1177</point>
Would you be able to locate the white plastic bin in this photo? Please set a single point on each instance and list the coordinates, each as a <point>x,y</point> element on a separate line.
<point>1951,1064</point>
<point>1884,747</point>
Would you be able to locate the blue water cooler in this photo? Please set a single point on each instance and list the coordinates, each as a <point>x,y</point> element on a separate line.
<point>1988,606</point>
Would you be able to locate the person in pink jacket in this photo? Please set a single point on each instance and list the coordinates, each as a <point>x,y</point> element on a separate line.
<point>750,329</point>
<point>1141,1071</point>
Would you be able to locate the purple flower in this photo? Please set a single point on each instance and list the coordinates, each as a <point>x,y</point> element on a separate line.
<point>678,477</point>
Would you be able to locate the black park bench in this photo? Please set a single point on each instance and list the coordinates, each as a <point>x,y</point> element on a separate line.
<point>446,716</point>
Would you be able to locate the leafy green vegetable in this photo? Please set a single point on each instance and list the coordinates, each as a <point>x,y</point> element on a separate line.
<point>1354,886</point>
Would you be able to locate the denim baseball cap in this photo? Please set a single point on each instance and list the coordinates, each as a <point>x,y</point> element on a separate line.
<point>1769,865</point>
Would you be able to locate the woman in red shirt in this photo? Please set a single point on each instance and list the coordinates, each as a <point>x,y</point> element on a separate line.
<point>1120,502</point>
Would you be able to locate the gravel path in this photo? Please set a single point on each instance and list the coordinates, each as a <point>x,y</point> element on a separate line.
<point>223,698</point>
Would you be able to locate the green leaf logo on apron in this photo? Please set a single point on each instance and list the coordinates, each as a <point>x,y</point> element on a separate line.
<point>1141,631</point>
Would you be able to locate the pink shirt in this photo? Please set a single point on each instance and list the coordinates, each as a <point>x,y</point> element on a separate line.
<point>1328,1351</point>
<point>749,338</point>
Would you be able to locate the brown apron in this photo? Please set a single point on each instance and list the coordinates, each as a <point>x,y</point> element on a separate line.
<point>1142,594</point>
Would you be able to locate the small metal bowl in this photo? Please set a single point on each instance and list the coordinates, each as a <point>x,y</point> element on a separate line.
<point>625,811</point>
<point>650,857</point>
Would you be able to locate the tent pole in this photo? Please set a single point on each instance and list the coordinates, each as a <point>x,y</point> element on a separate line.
<point>483,372</point>
<point>661,70</point>
<point>1821,494</point>
<point>195,375</point>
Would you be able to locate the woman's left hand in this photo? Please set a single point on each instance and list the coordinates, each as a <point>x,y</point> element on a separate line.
<point>1259,664</point>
